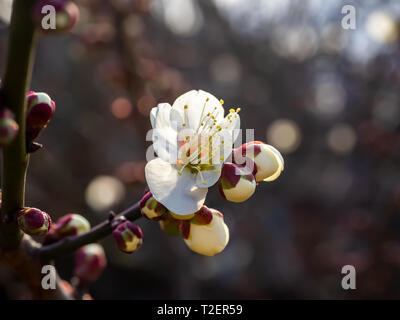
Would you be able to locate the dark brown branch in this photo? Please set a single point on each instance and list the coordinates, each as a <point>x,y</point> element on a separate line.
<point>16,84</point>
<point>70,244</point>
<point>29,269</point>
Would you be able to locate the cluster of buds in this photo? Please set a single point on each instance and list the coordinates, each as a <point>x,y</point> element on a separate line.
<point>8,127</point>
<point>71,224</point>
<point>252,162</point>
<point>58,16</point>
<point>128,236</point>
<point>33,221</point>
<point>204,231</point>
<point>90,261</point>
<point>40,109</point>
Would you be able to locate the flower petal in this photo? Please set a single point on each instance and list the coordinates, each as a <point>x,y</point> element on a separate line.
<point>198,104</point>
<point>222,144</point>
<point>210,177</point>
<point>162,116</point>
<point>232,124</point>
<point>281,164</point>
<point>178,193</point>
<point>164,135</point>
<point>153,115</point>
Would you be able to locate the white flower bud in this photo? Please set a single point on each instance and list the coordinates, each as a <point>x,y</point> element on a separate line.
<point>208,239</point>
<point>235,183</point>
<point>268,161</point>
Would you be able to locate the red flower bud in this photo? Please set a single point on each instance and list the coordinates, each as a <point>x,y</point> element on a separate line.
<point>33,221</point>
<point>203,216</point>
<point>128,236</point>
<point>40,109</point>
<point>90,262</point>
<point>151,208</point>
<point>71,225</point>
<point>8,127</point>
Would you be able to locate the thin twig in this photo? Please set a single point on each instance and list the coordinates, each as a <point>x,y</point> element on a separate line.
<point>70,244</point>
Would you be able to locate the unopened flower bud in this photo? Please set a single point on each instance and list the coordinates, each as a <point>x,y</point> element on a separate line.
<point>33,221</point>
<point>71,225</point>
<point>40,109</point>
<point>235,183</point>
<point>128,236</point>
<point>203,216</point>
<point>8,127</point>
<point>90,262</point>
<point>206,238</point>
<point>170,225</point>
<point>151,208</point>
<point>65,18</point>
<point>268,161</point>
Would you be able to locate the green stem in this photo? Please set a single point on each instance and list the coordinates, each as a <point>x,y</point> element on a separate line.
<point>16,84</point>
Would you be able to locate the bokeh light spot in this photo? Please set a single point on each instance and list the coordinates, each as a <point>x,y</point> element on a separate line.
<point>284,134</point>
<point>103,192</point>
<point>330,97</point>
<point>131,171</point>
<point>226,69</point>
<point>342,138</point>
<point>382,27</point>
<point>121,108</point>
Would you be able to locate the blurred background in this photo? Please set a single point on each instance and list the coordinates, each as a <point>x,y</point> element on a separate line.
<point>326,97</point>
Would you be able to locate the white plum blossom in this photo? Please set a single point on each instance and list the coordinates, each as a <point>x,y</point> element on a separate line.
<point>192,139</point>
